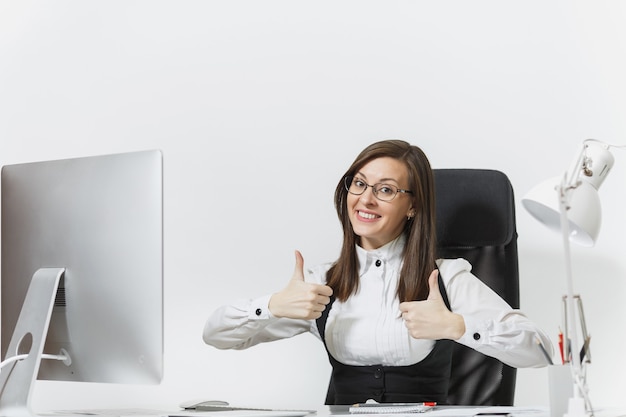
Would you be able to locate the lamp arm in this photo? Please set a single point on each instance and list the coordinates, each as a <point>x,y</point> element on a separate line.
<point>576,404</point>
<point>571,328</point>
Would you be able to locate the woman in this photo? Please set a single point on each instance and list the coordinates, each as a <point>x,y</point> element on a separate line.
<point>387,309</point>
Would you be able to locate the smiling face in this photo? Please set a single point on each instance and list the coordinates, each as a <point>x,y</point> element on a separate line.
<point>379,222</point>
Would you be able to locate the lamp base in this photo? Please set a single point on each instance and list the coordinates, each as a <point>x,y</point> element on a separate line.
<point>576,408</point>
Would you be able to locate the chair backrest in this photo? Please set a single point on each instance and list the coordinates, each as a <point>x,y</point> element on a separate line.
<point>475,214</point>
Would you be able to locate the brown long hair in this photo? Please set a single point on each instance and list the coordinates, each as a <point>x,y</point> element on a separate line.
<point>420,248</point>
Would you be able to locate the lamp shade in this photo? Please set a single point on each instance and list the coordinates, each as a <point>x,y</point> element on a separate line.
<point>584,213</point>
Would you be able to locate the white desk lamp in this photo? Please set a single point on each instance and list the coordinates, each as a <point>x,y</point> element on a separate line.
<point>570,204</point>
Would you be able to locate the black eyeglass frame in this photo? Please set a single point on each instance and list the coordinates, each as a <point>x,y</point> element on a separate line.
<point>347,183</point>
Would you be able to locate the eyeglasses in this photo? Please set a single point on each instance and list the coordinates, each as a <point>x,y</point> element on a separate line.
<point>383,192</point>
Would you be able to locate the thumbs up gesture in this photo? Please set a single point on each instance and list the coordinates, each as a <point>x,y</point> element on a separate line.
<point>300,299</point>
<point>430,318</point>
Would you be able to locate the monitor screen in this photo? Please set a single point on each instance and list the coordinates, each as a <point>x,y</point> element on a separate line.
<point>100,219</point>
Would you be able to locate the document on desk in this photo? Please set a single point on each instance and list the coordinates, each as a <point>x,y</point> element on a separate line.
<point>460,411</point>
<point>182,413</point>
<point>372,407</point>
<point>106,412</point>
<point>241,413</point>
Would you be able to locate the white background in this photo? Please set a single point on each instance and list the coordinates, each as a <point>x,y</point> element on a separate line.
<point>260,106</point>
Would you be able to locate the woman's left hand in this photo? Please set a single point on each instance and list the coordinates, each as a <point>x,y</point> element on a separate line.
<point>430,318</point>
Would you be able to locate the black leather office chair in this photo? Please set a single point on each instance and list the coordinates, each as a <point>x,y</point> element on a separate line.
<point>475,215</point>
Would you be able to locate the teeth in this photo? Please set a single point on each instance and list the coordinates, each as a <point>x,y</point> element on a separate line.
<point>367,215</point>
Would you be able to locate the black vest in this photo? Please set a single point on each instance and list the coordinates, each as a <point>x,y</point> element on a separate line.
<point>427,380</point>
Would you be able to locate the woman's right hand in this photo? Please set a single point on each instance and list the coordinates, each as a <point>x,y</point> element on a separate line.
<point>300,299</point>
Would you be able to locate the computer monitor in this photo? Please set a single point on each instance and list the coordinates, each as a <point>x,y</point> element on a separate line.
<point>89,231</point>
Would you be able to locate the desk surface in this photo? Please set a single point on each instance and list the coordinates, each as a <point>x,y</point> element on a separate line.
<point>328,411</point>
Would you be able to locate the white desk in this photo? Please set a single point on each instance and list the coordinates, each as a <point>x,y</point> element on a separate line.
<point>328,411</point>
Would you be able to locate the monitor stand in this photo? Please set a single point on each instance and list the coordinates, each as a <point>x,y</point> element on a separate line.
<point>18,377</point>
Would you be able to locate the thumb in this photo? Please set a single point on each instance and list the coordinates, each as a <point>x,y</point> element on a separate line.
<point>298,272</point>
<point>433,284</point>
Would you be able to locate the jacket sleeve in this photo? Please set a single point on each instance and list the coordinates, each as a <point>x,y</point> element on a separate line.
<point>492,326</point>
<point>246,323</point>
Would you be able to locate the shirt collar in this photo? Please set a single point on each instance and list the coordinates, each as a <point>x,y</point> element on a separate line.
<point>389,252</point>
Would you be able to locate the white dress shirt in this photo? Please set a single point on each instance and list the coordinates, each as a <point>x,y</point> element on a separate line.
<point>367,329</point>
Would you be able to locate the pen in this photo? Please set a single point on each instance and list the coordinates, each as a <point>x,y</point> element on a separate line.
<point>561,346</point>
<point>544,351</point>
